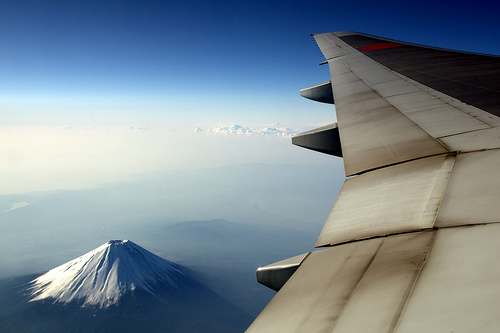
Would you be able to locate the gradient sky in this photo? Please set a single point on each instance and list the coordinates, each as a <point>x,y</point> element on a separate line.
<point>98,91</point>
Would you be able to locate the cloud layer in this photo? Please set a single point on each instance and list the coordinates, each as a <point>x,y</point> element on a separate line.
<point>274,130</point>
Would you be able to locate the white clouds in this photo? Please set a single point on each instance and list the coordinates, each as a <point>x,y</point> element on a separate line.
<point>44,158</point>
<point>274,130</point>
<point>140,129</point>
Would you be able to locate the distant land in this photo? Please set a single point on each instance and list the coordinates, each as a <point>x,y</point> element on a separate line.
<point>220,224</point>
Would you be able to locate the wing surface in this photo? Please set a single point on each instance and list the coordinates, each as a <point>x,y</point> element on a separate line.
<point>410,244</point>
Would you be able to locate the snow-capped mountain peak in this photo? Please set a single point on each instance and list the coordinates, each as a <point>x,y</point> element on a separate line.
<point>102,276</point>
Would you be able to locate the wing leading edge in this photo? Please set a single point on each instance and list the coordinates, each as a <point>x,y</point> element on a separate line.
<point>410,244</point>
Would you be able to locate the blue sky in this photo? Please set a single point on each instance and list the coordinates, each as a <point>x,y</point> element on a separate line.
<point>207,50</point>
<point>169,67</point>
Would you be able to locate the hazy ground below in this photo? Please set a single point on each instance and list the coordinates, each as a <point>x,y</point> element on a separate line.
<point>221,223</point>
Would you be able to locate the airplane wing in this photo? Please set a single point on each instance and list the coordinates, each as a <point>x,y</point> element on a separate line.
<point>412,241</point>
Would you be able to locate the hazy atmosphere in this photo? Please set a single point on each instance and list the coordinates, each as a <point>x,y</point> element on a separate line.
<point>98,92</point>
<point>170,124</point>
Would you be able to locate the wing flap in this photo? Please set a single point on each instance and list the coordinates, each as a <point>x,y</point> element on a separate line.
<point>379,298</point>
<point>325,292</point>
<point>316,294</point>
<point>472,192</point>
<point>427,281</point>
<point>458,289</point>
<point>396,199</point>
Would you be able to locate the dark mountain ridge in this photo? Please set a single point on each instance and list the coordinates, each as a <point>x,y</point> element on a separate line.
<point>183,306</point>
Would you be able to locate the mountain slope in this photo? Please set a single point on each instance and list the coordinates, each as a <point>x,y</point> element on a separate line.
<point>118,287</point>
<point>102,276</point>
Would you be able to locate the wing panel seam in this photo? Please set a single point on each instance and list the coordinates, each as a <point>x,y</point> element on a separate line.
<point>357,282</point>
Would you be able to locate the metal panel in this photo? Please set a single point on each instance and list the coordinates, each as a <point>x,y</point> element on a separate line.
<point>394,88</point>
<point>445,120</point>
<point>373,132</point>
<point>325,139</point>
<point>315,295</point>
<point>395,199</point>
<point>473,191</point>
<point>274,276</point>
<point>438,118</point>
<point>441,99</point>
<point>379,298</point>
<point>371,71</point>
<point>471,78</point>
<point>477,140</point>
<point>436,113</point>
<point>425,106</point>
<point>356,287</point>
<point>459,287</point>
